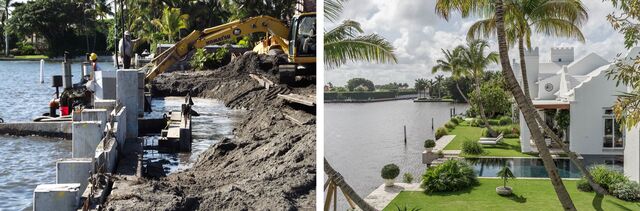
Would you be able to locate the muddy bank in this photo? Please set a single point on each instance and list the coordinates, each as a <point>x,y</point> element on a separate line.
<point>270,164</point>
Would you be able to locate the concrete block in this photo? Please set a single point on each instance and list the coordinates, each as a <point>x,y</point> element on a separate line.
<point>120,125</point>
<point>74,170</point>
<point>86,136</point>
<point>105,104</point>
<point>107,155</point>
<point>47,129</point>
<point>76,115</point>
<point>141,94</point>
<point>127,94</point>
<point>105,84</point>
<point>100,115</point>
<point>56,197</point>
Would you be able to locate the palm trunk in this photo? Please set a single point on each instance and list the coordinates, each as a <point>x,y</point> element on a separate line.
<point>461,93</point>
<point>337,178</point>
<point>572,156</point>
<point>481,109</point>
<point>526,106</point>
<point>523,68</point>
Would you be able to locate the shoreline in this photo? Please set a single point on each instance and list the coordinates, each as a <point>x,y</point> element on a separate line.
<point>269,163</point>
<point>369,100</point>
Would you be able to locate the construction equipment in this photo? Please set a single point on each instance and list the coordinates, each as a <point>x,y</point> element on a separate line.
<point>296,41</point>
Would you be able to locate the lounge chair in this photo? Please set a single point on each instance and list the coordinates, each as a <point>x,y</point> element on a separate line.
<point>491,141</point>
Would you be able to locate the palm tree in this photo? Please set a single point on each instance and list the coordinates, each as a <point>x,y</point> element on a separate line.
<point>473,61</point>
<point>345,42</point>
<point>336,178</point>
<point>443,9</point>
<point>451,64</point>
<point>5,17</point>
<point>420,86</point>
<point>552,18</point>
<point>170,23</point>
<point>439,80</point>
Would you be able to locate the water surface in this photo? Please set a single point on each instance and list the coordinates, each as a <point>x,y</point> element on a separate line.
<point>28,161</point>
<point>360,138</point>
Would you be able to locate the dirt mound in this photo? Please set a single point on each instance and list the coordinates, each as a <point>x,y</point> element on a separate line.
<point>270,164</point>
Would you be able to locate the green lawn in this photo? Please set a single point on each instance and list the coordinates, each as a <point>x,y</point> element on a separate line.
<point>31,57</point>
<point>528,195</point>
<point>510,147</point>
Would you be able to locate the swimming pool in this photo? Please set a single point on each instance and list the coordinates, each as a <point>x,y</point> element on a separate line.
<point>533,167</point>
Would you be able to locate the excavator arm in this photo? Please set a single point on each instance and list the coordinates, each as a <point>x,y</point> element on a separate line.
<point>199,39</point>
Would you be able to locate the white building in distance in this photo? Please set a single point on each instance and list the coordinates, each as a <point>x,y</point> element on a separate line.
<point>582,87</point>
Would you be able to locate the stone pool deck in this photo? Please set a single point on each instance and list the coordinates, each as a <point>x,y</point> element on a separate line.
<point>383,195</point>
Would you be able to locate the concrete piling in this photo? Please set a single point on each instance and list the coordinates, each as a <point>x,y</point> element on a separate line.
<point>127,93</point>
<point>99,115</point>
<point>74,170</point>
<point>56,197</point>
<point>86,136</point>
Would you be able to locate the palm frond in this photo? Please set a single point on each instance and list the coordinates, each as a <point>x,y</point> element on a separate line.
<point>347,29</point>
<point>369,48</point>
<point>333,9</point>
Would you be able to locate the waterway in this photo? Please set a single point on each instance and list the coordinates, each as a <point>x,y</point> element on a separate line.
<point>28,161</point>
<point>360,138</point>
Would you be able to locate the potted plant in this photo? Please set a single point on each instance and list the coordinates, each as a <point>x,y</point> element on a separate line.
<point>429,144</point>
<point>389,174</point>
<point>505,173</point>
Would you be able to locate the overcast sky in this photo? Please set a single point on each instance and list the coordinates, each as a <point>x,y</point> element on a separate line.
<point>418,35</point>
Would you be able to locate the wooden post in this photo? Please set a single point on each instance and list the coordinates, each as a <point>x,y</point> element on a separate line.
<point>431,123</point>
<point>405,135</point>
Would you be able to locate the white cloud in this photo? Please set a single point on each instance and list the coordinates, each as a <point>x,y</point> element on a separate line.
<point>418,35</point>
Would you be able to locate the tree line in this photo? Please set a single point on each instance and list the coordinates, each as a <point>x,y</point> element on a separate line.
<point>52,27</point>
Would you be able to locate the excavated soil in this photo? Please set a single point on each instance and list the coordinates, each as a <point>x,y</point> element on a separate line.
<point>269,165</point>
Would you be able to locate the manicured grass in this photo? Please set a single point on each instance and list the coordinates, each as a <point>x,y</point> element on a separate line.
<point>510,147</point>
<point>31,57</point>
<point>529,194</point>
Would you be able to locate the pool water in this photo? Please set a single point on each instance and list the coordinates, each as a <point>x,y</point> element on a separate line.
<point>533,167</point>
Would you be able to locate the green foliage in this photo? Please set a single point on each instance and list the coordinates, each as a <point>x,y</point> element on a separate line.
<point>494,98</point>
<point>429,143</point>
<point>455,120</point>
<point>390,171</point>
<point>221,54</point>
<point>170,23</point>
<point>627,190</point>
<point>505,173</point>
<point>505,120</point>
<point>452,175</point>
<point>584,186</point>
<point>406,208</point>
<point>245,42</point>
<point>441,131</point>
<point>60,22</point>
<point>202,60</point>
<point>512,136</point>
<point>407,178</point>
<point>607,177</point>
<point>25,48</point>
<point>472,147</point>
<point>450,125</point>
<point>356,82</point>
<point>506,130</point>
<point>562,119</point>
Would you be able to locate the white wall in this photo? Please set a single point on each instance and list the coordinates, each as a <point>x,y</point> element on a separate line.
<point>631,154</point>
<point>587,110</point>
<point>544,94</point>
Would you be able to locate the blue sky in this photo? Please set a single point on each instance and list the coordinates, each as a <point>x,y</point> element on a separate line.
<point>418,35</point>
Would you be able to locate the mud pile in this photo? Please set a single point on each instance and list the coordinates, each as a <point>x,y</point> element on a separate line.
<point>270,164</point>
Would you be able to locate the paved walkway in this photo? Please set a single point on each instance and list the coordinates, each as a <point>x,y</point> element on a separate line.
<point>442,142</point>
<point>383,195</point>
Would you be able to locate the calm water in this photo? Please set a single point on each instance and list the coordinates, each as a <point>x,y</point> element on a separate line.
<point>215,123</point>
<point>361,138</point>
<point>28,161</point>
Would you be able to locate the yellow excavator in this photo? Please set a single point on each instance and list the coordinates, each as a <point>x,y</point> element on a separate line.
<point>298,41</point>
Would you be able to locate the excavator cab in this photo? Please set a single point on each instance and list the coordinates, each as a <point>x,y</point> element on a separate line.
<point>302,50</point>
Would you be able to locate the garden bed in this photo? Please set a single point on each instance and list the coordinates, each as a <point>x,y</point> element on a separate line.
<point>509,147</point>
<point>529,194</point>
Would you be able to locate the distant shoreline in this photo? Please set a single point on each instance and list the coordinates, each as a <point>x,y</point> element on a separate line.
<point>369,100</point>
